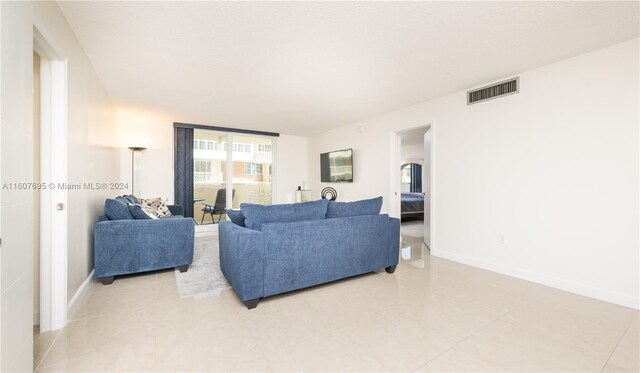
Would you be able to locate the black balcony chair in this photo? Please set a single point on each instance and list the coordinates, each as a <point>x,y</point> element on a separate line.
<point>218,206</point>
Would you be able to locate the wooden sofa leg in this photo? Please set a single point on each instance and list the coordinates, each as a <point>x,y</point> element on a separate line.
<point>252,303</point>
<point>107,280</point>
<point>183,268</point>
<point>390,269</point>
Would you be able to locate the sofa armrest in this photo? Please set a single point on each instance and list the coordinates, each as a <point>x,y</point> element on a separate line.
<point>176,209</point>
<point>242,259</point>
<point>127,246</point>
<point>394,241</point>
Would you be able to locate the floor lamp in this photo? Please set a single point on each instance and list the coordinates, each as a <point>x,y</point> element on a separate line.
<point>136,152</point>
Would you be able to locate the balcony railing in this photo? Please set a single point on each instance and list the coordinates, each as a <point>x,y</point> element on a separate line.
<point>262,156</point>
<point>207,177</point>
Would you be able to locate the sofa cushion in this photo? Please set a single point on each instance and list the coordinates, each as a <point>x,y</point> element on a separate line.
<point>235,216</point>
<point>156,205</point>
<point>255,215</point>
<point>357,208</point>
<point>123,200</point>
<point>116,209</point>
<point>132,199</point>
<point>139,212</point>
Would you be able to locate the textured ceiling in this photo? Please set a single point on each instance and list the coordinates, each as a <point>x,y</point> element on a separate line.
<point>305,67</point>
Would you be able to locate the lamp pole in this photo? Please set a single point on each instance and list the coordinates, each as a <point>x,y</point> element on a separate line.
<point>134,149</point>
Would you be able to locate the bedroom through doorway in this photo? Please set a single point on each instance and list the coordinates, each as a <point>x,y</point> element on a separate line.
<point>415,182</point>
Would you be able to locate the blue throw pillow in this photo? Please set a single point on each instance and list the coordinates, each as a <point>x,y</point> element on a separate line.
<point>256,215</point>
<point>235,216</point>
<point>357,208</point>
<point>132,199</point>
<point>115,209</point>
<point>138,212</point>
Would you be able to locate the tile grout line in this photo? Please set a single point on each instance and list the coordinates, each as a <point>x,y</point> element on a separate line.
<point>574,349</point>
<point>471,335</point>
<point>617,345</point>
<point>49,349</point>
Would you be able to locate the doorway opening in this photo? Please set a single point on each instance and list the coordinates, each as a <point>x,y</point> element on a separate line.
<point>411,189</point>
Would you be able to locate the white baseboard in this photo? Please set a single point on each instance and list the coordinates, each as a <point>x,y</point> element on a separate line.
<point>73,303</point>
<point>36,318</point>
<point>554,282</point>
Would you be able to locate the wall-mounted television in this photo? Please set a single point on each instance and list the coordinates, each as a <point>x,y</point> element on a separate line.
<point>337,166</point>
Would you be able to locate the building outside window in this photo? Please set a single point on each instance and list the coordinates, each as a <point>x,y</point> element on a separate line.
<point>201,166</point>
<point>252,169</point>
<point>264,148</point>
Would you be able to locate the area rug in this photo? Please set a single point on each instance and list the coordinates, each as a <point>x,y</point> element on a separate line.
<point>204,277</point>
<point>413,228</point>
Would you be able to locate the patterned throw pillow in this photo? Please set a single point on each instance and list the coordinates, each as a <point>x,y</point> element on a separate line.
<point>141,212</point>
<point>157,206</point>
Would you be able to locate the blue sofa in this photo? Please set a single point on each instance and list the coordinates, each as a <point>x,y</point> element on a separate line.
<point>128,245</point>
<point>268,250</point>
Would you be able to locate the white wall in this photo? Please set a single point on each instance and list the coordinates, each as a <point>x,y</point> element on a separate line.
<point>155,132</point>
<point>412,151</point>
<point>16,165</point>
<point>553,168</point>
<point>92,150</point>
<point>91,158</point>
<point>291,168</point>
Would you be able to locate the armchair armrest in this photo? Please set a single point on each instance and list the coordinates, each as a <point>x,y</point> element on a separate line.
<point>242,259</point>
<point>176,209</point>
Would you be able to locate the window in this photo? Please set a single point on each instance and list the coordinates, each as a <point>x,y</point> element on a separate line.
<point>264,148</point>
<point>201,166</point>
<point>411,178</point>
<point>252,169</point>
<point>242,148</point>
<point>199,144</point>
<point>406,174</point>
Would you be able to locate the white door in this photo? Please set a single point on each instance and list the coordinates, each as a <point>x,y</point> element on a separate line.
<point>426,187</point>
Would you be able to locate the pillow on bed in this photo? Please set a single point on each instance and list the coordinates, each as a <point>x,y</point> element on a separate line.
<point>357,208</point>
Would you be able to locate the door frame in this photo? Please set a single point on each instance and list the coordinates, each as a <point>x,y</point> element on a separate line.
<point>394,176</point>
<point>53,165</point>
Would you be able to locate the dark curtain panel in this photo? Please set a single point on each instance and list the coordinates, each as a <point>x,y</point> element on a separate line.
<point>183,177</point>
<point>416,178</point>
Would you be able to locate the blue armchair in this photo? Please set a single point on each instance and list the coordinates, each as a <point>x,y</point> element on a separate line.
<point>132,246</point>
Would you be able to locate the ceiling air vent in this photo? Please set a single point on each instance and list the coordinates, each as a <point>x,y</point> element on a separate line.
<point>507,87</point>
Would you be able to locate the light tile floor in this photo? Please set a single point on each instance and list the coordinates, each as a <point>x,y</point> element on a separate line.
<point>430,315</point>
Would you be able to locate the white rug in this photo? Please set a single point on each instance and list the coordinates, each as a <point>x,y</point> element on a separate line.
<point>413,228</point>
<point>204,277</point>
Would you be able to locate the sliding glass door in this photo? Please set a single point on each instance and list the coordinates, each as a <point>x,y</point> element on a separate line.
<point>252,160</point>
<point>225,176</point>
<point>209,174</point>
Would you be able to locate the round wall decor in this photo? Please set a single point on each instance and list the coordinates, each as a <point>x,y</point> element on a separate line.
<point>329,193</point>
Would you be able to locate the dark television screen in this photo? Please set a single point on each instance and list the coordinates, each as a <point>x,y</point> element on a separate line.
<point>336,167</point>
